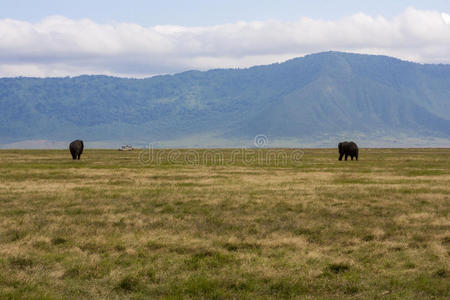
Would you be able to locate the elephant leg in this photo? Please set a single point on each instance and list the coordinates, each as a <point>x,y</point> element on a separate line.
<point>346,156</point>
<point>340,156</point>
<point>351,157</point>
<point>78,156</point>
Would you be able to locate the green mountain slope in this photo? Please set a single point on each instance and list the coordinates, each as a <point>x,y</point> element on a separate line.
<point>322,97</point>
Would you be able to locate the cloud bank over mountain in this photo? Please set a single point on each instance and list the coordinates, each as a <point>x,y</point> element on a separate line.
<point>58,46</point>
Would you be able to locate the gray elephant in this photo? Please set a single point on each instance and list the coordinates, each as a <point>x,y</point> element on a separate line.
<point>348,149</point>
<point>76,149</point>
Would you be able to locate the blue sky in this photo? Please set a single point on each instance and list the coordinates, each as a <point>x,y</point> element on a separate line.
<point>204,12</point>
<point>137,38</point>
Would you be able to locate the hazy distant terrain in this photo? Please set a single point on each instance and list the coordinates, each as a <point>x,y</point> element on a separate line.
<point>316,100</point>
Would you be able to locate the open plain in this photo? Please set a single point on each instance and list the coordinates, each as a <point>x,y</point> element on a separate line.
<point>221,223</point>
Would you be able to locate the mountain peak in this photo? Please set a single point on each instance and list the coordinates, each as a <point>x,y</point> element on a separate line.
<point>317,98</point>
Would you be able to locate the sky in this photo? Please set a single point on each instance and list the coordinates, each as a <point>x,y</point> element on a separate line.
<point>137,38</point>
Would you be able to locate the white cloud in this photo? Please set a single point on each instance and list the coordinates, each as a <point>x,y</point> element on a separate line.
<point>58,46</point>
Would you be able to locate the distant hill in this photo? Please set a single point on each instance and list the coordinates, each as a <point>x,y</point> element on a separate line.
<point>315,100</point>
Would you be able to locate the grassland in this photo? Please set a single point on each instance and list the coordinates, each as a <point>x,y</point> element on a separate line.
<point>114,225</point>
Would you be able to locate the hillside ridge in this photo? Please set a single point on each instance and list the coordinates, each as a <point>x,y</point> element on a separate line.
<point>316,98</point>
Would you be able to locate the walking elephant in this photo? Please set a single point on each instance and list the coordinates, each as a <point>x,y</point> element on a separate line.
<point>76,149</point>
<point>348,149</point>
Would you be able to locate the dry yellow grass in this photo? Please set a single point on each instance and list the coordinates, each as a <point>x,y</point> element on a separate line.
<point>111,226</point>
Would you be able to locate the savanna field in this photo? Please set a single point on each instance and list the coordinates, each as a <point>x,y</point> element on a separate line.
<point>223,224</point>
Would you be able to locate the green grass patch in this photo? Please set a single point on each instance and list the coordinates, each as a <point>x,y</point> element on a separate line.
<point>112,227</point>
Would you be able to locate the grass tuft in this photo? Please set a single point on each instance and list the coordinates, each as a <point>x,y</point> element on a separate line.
<point>21,262</point>
<point>338,268</point>
<point>128,283</point>
<point>58,241</point>
<point>441,273</point>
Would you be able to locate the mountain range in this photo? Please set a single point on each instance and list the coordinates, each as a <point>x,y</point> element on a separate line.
<point>311,101</point>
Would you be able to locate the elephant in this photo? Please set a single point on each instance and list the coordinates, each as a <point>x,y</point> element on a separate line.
<point>348,149</point>
<point>76,148</point>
